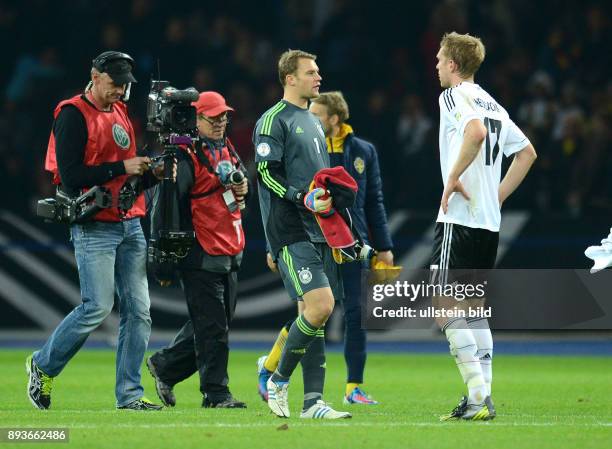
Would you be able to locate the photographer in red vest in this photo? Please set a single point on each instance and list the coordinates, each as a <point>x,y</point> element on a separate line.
<point>211,187</point>
<point>92,144</point>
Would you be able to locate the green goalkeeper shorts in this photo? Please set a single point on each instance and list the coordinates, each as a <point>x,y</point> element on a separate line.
<point>305,266</point>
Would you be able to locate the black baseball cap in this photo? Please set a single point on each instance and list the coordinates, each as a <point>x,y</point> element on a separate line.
<point>118,66</point>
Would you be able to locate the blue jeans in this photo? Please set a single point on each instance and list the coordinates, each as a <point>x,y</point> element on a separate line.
<point>110,257</point>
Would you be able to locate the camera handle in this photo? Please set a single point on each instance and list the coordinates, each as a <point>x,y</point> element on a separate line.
<point>168,189</point>
<point>168,244</point>
<point>168,186</point>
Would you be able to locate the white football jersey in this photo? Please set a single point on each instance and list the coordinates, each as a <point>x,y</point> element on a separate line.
<point>458,106</point>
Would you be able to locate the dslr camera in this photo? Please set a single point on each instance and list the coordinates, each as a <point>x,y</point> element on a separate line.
<point>228,176</point>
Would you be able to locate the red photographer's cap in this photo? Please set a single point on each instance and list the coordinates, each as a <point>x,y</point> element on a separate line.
<point>211,104</point>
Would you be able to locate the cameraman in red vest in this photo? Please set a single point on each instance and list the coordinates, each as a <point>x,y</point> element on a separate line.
<point>93,144</point>
<point>212,187</point>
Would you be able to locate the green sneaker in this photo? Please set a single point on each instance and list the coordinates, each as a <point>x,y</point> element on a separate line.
<point>457,412</point>
<point>469,412</point>
<point>141,404</point>
<point>39,385</point>
<point>477,412</point>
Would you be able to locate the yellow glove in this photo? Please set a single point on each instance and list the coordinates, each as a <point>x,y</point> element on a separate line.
<point>382,272</point>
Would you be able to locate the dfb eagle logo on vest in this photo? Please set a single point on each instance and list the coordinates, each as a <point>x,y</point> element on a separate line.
<point>121,136</point>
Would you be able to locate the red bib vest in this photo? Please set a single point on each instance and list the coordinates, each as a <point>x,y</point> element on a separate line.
<point>110,138</point>
<point>218,230</point>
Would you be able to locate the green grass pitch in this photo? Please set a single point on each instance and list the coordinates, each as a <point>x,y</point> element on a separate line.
<point>542,402</point>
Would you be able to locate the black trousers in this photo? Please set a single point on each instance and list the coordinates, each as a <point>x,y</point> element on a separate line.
<point>202,343</point>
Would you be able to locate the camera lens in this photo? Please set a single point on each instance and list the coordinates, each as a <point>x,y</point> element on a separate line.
<point>183,118</point>
<point>236,177</point>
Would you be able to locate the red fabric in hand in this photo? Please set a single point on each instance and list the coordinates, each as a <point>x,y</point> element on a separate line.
<point>336,231</point>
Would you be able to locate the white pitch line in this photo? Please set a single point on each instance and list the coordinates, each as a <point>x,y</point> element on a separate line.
<point>320,422</point>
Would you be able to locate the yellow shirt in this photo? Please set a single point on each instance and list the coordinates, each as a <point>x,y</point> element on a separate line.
<point>336,144</point>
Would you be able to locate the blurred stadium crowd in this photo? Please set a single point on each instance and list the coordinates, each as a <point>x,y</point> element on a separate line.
<point>548,62</point>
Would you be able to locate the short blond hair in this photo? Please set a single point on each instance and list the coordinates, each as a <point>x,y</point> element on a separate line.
<point>467,51</point>
<point>335,104</point>
<point>288,63</point>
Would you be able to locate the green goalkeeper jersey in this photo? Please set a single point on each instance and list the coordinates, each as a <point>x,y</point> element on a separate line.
<point>291,138</point>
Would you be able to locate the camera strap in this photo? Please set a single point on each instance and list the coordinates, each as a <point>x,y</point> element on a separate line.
<point>233,152</point>
<point>199,152</point>
<point>203,159</point>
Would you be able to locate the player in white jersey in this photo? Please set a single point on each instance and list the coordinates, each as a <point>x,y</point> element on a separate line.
<point>475,133</point>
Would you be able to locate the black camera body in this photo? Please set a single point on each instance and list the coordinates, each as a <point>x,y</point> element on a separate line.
<point>68,209</point>
<point>129,193</point>
<point>167,243</point>
<point>170,115</point>
<point>236,177</point>
<point>170,246</point>
<point>169,110</point>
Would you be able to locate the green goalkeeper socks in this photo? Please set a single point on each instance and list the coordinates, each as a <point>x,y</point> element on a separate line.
<point>313,370</point>
<point>301,334</point>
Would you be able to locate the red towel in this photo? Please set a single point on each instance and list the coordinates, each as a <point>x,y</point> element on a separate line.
<point>343,187</point>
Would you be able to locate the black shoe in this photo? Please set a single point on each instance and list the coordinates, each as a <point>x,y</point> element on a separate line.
<point>468,412</point>
<point>164,391</point>
<point>39,385</point>
<point>457,412</point>
<point>228,402</point>
<point>141,404</point>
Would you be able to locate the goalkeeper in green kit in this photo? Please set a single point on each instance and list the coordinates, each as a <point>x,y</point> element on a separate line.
<point>290,149</point>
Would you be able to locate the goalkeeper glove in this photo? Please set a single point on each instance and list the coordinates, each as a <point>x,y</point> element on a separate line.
<point>318,201</point>
<point>359,251</point>
<point>381,273</point>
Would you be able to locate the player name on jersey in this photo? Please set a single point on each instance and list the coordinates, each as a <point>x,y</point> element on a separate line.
<point>487,105</point>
